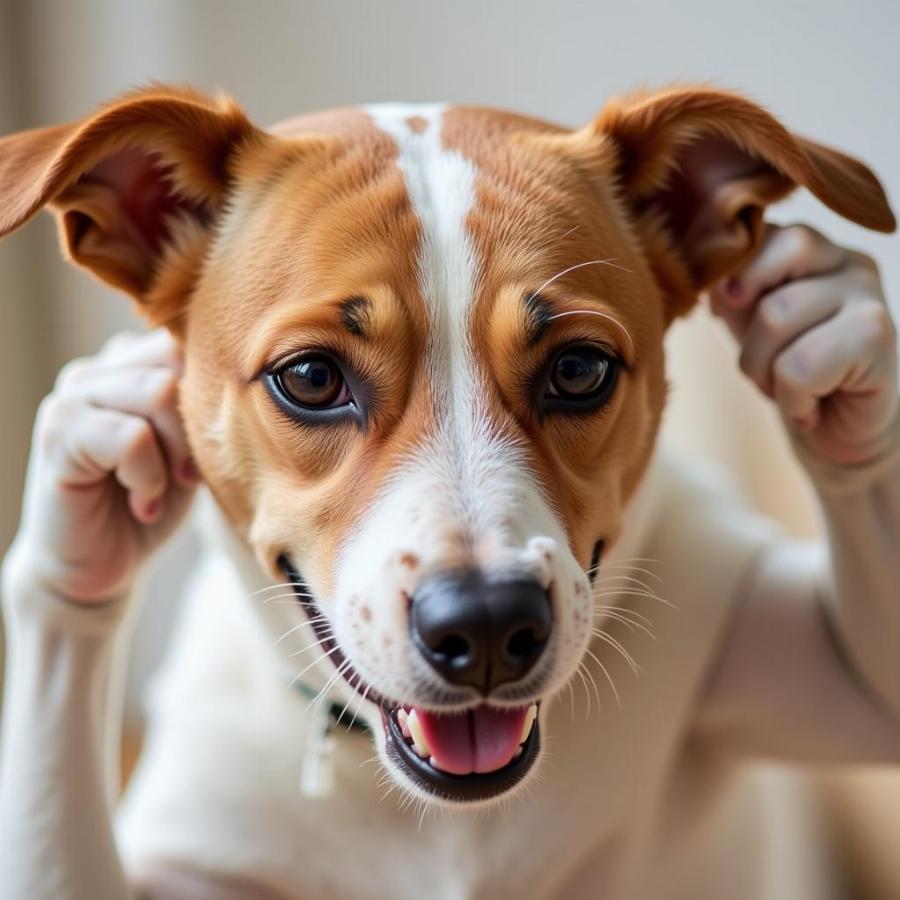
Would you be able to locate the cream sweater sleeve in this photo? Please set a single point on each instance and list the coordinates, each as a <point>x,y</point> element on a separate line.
<point>809,669</point>
<point>60,729</point>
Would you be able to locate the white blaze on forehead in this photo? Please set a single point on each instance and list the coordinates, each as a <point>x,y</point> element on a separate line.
<point>467,473</point>
<point>441,188</point>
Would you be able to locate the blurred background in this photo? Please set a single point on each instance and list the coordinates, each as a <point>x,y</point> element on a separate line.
<point>828,69</point>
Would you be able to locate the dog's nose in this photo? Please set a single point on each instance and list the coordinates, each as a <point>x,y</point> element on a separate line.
<point>478,632</point>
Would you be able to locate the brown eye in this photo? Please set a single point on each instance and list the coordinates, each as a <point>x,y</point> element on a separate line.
<point>313,382</point>
<point>580,373</point>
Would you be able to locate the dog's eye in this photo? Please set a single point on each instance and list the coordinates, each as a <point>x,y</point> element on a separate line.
<point>313,382</point>
<point>581,377</point>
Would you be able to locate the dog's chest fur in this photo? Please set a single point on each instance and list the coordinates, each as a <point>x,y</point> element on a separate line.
<point>230,766</point>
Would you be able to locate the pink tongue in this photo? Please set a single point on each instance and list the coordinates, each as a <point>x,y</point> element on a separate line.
<point>482,740</point>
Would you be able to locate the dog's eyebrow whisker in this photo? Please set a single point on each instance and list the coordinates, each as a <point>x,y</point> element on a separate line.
<point>605,671</point>
<point>609,261</point>
<point>599,315</point>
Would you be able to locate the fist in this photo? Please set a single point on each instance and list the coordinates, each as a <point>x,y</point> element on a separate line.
<point>816,336</point>
<point>110,475</point>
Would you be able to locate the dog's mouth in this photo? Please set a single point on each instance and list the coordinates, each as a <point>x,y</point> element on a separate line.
<point>467,756</point>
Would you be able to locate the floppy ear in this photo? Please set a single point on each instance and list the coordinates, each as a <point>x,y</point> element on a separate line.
<point>699,166</point>
<point>142,178</point>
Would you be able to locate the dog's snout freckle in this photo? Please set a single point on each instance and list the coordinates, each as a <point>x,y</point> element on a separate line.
<point>365,613</point>
<point>409,560</point>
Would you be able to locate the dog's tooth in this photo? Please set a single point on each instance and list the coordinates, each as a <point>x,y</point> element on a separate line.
<point>420,745</point>
<point>527,725</point>
<point>403,722</point>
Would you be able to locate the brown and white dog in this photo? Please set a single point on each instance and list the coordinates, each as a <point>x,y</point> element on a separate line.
<point>424,366</point>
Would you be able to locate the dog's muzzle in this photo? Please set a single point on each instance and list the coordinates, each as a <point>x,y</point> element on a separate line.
<point>477,634</point>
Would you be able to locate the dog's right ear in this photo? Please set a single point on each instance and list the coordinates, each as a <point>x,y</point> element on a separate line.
<point>143,177</point>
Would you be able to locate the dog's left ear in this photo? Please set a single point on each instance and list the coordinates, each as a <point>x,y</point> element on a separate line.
<point>142,179</point>
<point>698,167</point>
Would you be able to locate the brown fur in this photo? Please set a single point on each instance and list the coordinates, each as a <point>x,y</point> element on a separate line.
<point>260,237</point>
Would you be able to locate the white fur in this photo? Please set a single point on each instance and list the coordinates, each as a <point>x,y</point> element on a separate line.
<point>467,488</point>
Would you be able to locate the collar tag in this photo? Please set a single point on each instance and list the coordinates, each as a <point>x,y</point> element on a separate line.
<point>317,775</point>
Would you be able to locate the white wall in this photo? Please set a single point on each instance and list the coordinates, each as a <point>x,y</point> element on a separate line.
<point>830,69</point>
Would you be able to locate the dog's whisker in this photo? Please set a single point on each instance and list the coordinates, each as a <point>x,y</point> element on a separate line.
<point>624,610</point>
<point>289,632</point>
<point>630,568</point>
<point>631,624</point>
<point>608,639</point>
<point>593,682</point>
<point>279,587</point>
<point>323,693</point>
<point>309,647</point>
<point>615,576</point>
<point>597,314</point>
<point>359,706</point>
<point>605,671</point>
<point>609,261</point>
<point>274,597</point>
<point>587,692</point>
<point>350,700</point>
<point>315,662</point>
<point>634,592</point>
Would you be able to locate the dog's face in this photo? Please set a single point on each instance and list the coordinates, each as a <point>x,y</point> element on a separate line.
<point>425,362</point>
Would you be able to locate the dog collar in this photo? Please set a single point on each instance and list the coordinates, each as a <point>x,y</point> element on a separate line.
<point>336,712</point>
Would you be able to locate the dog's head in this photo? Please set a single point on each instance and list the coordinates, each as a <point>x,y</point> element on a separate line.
<point>425,360</point>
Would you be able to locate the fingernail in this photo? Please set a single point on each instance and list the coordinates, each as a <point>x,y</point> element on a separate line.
<point>189,471</point>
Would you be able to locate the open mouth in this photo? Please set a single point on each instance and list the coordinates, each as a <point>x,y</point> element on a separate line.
<point>466,756</point>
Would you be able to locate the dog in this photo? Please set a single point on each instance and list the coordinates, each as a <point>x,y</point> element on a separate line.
<point>424,377</point>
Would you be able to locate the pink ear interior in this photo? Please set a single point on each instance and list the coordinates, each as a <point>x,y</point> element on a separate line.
<point>146,203</point>
<point>713,203</point>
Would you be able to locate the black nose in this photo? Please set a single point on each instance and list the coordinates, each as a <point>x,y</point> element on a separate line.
<point>478,632</point>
